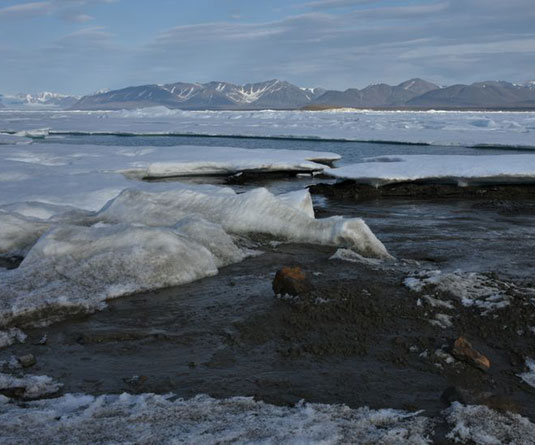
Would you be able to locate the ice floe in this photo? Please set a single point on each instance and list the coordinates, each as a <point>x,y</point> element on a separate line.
<point>13,139</point>
<point>74,269</point>
<point>461,169</point>
<point>87,176</point>
<point>513,129</point>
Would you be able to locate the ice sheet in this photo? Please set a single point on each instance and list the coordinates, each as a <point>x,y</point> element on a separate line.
<point>428,127</point>
<point>459,168</point>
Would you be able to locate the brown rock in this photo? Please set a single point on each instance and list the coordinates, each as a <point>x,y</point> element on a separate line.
<point>291,281</point>
<point>462,350</point>
<point>26,361</point>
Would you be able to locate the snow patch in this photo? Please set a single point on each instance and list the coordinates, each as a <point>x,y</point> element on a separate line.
<point>470,289</point>
<point>28,386</point>
<point>481,425</point>
<point>10,336</point>
<point>529,375</point>
<point>150,418</point>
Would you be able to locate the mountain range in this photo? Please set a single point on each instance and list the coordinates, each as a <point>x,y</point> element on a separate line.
<point>277,94</point>
<point>39,100</point>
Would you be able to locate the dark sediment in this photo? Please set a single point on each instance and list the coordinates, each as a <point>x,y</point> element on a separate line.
<point>358,338</point>
<point>11,261</point>
<point>355,191</point>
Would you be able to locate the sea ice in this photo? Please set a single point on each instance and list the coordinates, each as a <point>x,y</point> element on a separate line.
<point>256,211</point>
<point>467,128</point>
<point>87,176</point>
<point>458,168</point>
<point>74,269</point>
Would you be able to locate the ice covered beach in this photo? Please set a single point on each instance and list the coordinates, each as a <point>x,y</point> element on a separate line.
<point>128,268</point>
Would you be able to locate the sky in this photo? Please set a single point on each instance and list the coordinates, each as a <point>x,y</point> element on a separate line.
<point>80,46</point>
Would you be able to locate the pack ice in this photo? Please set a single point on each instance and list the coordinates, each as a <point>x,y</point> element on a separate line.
<point>466,128</point>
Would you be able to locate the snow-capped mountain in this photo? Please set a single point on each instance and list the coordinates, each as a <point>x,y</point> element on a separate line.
<point>274,94</point>
<point>44,99</point>
<point>278,94</point>
<point>489,94</point>
<point>378,95</point>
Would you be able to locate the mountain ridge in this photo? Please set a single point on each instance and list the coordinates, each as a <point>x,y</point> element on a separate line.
<point>412,94</point>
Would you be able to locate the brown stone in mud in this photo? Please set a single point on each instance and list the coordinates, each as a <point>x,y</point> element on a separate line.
<point>291,281</point>
<point>26,361</point>
<point>462,350</point>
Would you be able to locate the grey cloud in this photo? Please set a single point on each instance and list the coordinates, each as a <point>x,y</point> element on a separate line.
<point>26,10</point>
<point>71,10</point>
<point>444,41</point>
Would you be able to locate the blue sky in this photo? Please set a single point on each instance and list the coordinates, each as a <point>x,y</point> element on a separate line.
<point>79,46</point>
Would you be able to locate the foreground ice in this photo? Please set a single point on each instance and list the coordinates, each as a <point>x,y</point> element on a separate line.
<point>459,168</point>
<point>439,128</point>
<point>150,418</point>
<point>481,425</point>
<point>75,260</point>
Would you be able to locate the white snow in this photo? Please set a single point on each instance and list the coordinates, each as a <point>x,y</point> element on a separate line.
<point>459,168</point>
<point>430,127</point>
<point>11,139</point>
<point>224,161</point>
<point>87,176</point>
<point>149,418</point>
<point>469,288</point>
<point>34,133</point>
<point>29,386</point>
<point>10,336</point>
<point>481,425</point>
<point>529,375</point>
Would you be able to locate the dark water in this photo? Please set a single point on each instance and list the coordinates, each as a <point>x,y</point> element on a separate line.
<point>350,151</point>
